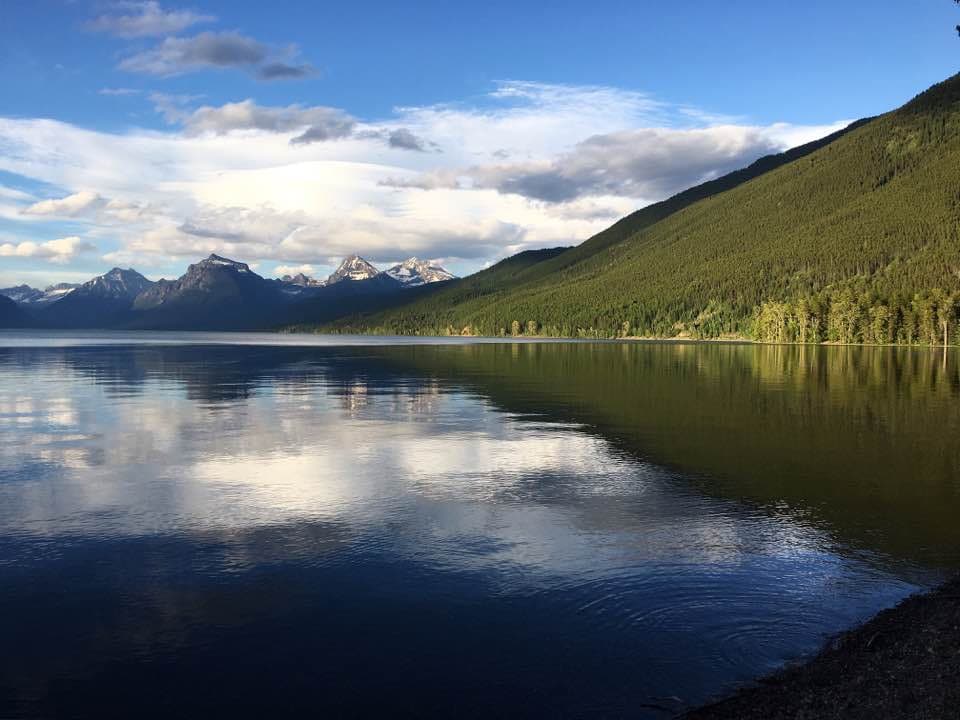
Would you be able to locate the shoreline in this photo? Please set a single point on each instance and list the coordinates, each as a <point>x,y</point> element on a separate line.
<point>902,663</point>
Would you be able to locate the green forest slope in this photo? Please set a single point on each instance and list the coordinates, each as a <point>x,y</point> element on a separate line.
<point>856,241</point>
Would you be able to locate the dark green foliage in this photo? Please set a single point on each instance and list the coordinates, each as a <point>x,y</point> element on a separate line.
<point>862,235</point>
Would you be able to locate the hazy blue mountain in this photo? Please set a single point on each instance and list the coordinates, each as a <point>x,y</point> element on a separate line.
<point>11,316</point>
<point>34,297</point>
<point>103,302</point>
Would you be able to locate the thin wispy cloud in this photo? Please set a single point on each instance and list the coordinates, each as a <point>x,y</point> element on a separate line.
<point>284,71</point>
<point>176,56</point>
<point>118,92</point>
<point>145,19</point>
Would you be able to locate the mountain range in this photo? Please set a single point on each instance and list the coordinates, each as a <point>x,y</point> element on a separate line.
<point>26,295</point>
<point>851,238</point>
<point>217,293</point>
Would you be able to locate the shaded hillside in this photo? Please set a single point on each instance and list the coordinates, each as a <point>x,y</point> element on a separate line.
<point>215,293</point>
<point>858,238</point>
<point>11,316</point>
<point>352,298</point>
<point>419,309</point>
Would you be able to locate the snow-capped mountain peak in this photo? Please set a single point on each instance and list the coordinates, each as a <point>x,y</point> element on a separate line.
<point>353,268</point>
<point>217,261</point>
<point>415,272</point>
<point>26,295</point>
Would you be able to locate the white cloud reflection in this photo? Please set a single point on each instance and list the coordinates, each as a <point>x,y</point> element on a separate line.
<point>455,480</point>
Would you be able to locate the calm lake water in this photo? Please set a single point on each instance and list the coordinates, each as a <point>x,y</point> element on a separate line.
<point>241,525</point>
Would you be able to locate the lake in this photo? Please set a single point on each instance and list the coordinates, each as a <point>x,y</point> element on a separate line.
<point>261,525</point>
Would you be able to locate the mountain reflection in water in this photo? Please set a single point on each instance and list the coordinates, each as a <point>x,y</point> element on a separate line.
<point>479,529</point>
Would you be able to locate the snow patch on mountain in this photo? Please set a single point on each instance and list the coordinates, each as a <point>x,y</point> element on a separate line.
<point>415,272</point>
<point>26,295</point>
<point>353,268</point>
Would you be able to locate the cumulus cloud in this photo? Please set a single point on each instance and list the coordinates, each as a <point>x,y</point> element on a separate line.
<point>69,206</point>
<point>61,250</point>
<point>176,55</point>
<point>647,163</point>
<point>90,204</point>
<point>295,237</point>
<point>126,211</point>
<point>305,269</point>
<point>317,123</point>
<point>403,139</point>
<point>312,124</point>
<point>144,19</point>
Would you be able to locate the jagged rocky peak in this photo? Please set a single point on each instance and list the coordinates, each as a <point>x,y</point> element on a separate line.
<point>353,268</point>
<point>22,294</point>
<point>26,295</point>
<point>216,261</point>
<point>415,272</point>
<point>302,280</point>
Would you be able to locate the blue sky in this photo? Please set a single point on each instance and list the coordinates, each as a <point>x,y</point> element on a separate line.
<point>430,128</point>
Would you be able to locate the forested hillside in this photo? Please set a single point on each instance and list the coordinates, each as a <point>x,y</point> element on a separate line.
<point>857,241</point>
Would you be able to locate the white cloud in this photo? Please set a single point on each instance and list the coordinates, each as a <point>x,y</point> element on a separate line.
<point>61,250</point>
<point>144,19</point>
<point>69,206</point>
<point>90,205</point>
<point>306,269</point>
<point>529,166</point>
<point>645,163</point>
<point>318,123</point>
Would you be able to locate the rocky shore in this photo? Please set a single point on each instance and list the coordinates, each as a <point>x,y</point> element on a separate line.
<point>903,663</point>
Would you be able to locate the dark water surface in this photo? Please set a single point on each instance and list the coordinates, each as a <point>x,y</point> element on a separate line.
<point>194,528</point>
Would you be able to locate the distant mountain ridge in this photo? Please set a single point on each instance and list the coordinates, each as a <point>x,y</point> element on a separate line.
<point>102,302</point>
<point>26,295</point>
<point>216,293</point>
<point>410,273</point>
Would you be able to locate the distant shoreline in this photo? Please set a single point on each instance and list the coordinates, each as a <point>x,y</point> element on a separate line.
<point>729,340</point>
<point>448,339</point>
<point>903,663</point>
